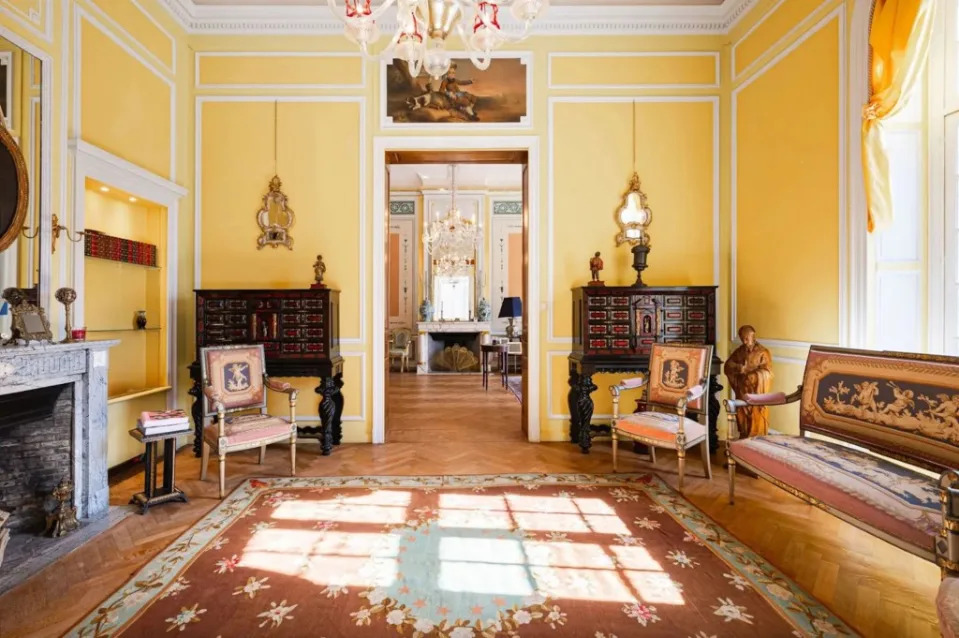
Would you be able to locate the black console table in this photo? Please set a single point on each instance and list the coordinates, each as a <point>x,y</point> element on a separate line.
<point>614,328</point>
<point>300,333</point>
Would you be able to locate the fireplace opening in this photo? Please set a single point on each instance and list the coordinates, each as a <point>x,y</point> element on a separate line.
<point>36,453</point>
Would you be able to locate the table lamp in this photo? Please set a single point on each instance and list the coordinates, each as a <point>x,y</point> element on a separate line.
<point>512,307</point>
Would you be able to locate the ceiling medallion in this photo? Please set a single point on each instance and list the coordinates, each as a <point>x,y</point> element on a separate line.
<point>424,25</point>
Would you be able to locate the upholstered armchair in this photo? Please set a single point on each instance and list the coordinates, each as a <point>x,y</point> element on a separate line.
<point>675,388</point>
<point>400,341</point>
<point>235,380</point>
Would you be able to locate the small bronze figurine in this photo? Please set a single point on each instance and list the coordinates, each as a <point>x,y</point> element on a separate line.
<point>595,265</point>
<point>63,519</point>
<point>319,268</point>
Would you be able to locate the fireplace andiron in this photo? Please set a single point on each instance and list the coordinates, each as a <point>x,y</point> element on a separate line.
<point>63,519</point>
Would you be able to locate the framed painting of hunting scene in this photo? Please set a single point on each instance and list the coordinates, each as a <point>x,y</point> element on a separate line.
<point>464,97</point>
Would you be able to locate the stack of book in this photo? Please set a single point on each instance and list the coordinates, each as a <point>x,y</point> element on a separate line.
<point>168,422</point>
<point>103,246</point>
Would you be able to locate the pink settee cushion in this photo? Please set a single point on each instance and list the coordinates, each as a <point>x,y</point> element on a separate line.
<point>891,499</point>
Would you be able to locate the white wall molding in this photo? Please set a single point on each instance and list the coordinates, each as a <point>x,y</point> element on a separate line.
<point>93,162</point>
<point>842,325</point>
<point>566,20</point>
<point>381,145</point>
<point>81,14</point>
<point>634,54</point>
<point>551,337</point>
<point>105,17</point>
<point>199,55</point>
<point>362,164</point>
<point>797,29</point>
<point>40,25</point>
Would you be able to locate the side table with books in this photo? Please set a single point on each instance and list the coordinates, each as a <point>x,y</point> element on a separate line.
<point>152,428</point>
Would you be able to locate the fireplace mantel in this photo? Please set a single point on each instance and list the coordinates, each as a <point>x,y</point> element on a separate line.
<point>83,364</point>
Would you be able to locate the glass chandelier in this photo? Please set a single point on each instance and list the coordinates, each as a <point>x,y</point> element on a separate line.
<point>452,240</point>
<point>424,25</point>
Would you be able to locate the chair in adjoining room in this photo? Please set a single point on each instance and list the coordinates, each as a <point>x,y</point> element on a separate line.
<point>675,387</point>
<point>235,380</point>
<point>401,339</point>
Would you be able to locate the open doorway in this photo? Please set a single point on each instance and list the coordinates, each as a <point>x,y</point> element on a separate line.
<point>456,263</point>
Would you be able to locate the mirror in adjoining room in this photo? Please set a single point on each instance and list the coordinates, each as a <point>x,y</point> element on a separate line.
<point>20,143</point>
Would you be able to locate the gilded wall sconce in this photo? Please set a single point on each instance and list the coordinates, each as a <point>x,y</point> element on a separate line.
<point>275,218</point>
<point>633,217</point>
<point>55,230</point>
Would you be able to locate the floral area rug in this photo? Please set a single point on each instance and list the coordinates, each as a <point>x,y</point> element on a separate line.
<point>592,556</point>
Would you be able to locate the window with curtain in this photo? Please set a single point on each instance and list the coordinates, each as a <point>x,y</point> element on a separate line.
<point>949,122</point>
<point>897,255</point>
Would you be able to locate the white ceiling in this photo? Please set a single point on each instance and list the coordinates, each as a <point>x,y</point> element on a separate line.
<point>414,177</point>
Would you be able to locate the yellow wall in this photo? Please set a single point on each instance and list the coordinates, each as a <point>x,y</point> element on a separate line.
<point>134,101</point>
<point>787,110</point>
<point>777,74</point>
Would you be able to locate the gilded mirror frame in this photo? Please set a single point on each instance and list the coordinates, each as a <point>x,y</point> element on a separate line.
<point>23,188</point>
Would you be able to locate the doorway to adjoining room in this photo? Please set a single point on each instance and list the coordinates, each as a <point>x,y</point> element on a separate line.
<point>455,280</point>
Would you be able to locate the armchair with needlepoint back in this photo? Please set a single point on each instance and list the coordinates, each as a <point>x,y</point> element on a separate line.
<point>235,381</point>
<point>675,388</point>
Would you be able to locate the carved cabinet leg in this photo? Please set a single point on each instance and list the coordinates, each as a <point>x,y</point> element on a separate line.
<point>327,389</point>
<point>585,410</point>
<point>338,402</point>
<point>571,402</point>
<point>714,390</point>
<point>197,412</point>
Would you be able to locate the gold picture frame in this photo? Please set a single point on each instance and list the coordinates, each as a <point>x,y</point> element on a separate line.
<point>13,178</point>
<point>29,321</point>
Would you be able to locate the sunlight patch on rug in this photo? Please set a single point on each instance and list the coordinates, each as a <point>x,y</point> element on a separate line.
<point>459,557</point>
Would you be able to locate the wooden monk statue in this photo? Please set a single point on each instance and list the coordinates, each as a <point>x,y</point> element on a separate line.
<point>749,372</point>
<point>595,266</point>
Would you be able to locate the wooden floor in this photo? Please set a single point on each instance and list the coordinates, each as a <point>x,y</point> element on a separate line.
<point>879,590</point>
<point>425,407</point>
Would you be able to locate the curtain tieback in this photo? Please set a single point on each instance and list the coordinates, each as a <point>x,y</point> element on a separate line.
<point>870,111</point>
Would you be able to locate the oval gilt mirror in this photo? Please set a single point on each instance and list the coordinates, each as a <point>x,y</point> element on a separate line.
<point>13,188</point>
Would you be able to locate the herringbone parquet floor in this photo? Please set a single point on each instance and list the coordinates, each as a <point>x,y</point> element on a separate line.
<point>876,588</point>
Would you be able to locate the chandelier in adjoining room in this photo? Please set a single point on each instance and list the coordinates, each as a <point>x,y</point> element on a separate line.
<point>452,240</point>
<point>424,25</point>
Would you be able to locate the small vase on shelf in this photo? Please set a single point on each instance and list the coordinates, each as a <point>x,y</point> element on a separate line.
<point>483,310</point>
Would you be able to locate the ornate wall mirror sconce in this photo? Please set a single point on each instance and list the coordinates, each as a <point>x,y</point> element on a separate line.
<point>634,217</point>
<point>275,218</point>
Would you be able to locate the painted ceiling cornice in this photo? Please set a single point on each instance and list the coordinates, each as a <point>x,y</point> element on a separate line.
<point>565,20</point>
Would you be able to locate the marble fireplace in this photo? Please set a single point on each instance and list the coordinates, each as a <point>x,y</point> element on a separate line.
<point>436,336</point>
<point>53,425</point>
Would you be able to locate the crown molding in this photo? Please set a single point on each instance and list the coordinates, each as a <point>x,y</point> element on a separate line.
<point>566,20</point>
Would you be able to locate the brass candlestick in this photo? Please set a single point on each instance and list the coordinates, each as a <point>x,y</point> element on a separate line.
<point>63,519</point>
<point>67,296</point>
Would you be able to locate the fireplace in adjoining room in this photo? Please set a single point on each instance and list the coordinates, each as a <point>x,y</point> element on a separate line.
<point>36,453</point>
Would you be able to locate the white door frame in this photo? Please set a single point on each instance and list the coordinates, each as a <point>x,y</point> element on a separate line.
<point>383,145</point>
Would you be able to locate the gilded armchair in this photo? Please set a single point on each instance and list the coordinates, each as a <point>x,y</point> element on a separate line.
<point>675,387</point>
<point>235,380</point>
<point>401,339</point>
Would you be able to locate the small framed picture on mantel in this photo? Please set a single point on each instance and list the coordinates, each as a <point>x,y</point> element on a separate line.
<point>465,97</point>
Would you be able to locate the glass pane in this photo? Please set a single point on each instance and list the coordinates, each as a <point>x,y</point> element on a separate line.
<point>900,242</point>
<point>899,311</point>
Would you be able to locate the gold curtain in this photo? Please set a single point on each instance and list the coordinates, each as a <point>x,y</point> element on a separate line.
<point>899,43</point>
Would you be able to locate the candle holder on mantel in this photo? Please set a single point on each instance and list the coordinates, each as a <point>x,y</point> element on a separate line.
<point>67,296</point>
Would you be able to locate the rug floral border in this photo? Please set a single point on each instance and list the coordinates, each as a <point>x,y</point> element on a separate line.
<point>808,616</point>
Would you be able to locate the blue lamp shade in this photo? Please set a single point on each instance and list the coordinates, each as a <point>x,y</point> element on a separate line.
<point>4,309</point>
<point>512,307</point>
